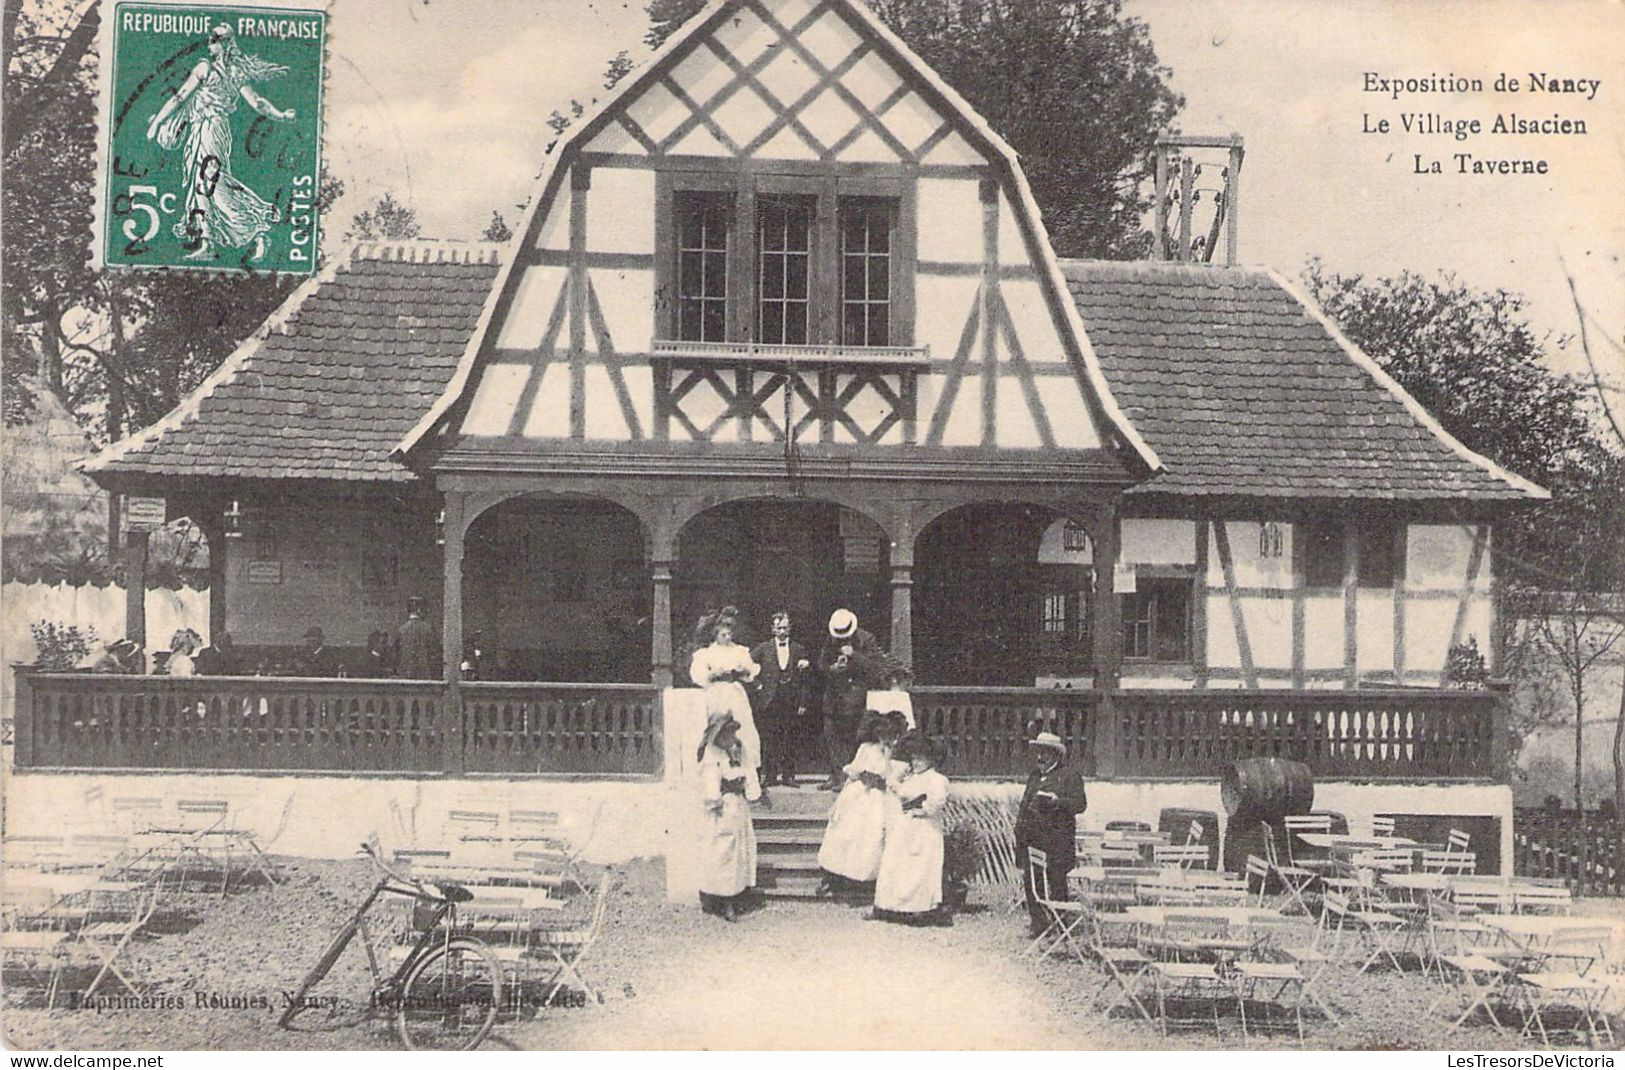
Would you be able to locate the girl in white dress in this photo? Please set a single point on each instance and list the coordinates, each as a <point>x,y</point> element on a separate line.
<point>727,840</point>
<point>909,888</point>
<point>857,823</point>
<point>722,668</point>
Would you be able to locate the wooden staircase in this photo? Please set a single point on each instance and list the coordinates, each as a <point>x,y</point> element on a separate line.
<point>787,839</point>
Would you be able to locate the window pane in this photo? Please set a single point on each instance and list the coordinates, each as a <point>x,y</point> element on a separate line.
<point>880,231</point>
<point>879,279</point>
<point>716,275</point>
<point>1322,553</point>
<point>854,327</point>
<point>879,325</point>
<point>773,322</point>
<point>688,328</point>
<point>690,274</point>
<point>853,288</point>
<point>796,284</point>
<point>799,231</point>
<point>795,324</point>
<point>773,276</point>
<point>716,321</point>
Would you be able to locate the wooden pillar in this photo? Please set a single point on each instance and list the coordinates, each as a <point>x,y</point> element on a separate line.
<point>902,613</point>
<point>213,524</point>
<point>1351,604</point>
<point>1232,202</point>
<point>660,673</point>
<point>1105,532</point>
<point>451,625</point>
<point>135,588</point>
<point>1160,216</point>
<point>1187,191</point>
<point>1499,623</point>
<point>1199,607</point>
<point>1401,553</point>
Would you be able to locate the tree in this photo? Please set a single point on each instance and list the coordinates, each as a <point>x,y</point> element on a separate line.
<point>1074,86</point>
<point>497,230</point>
<point>1472,359</point>
<point>387,220</point>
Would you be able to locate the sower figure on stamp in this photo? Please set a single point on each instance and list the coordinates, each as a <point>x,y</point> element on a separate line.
<point>853,662</point>
<point>1048,820</point>
<point>781,700</point>
<point>218,209</point>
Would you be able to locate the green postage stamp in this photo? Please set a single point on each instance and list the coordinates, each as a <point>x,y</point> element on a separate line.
<point>211,136</point>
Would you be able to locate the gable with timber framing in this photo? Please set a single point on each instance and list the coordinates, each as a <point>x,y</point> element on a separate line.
<point>785,120</point>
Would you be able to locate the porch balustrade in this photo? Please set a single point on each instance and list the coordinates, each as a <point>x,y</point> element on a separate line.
<point>76,720</point>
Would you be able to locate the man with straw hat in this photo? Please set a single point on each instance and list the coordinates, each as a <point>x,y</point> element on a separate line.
<point>853,663</point>
<point>1048,820</point>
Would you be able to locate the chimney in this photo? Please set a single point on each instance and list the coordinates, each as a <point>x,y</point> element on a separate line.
<point>1179,153</point>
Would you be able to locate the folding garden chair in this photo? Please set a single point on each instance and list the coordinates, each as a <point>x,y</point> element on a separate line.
<point>567,948</point>
<point>1582,997</point>
<point>1277,939</point>
<point>1298,824</point>
<point>1382,825</point>
<point>1063,915</point>
<point>1179,856</point>
<point>543,839</point>
<point>1296,880</point>
<point>1125,964</point>
<point>107,940</point>
<point>1476,980</point>
<point>1258,869</point>
<point>36,929</point>
<point>1452,862</point>
<point>1196,982</point>
<point>1250,975</point>
<point>1458,841</point>
<point>1378,927</point>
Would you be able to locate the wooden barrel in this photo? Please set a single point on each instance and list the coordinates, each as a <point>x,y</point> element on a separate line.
<point>1266,789</point>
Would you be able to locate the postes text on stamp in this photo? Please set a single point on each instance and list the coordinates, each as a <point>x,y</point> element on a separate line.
<point>212,136</point>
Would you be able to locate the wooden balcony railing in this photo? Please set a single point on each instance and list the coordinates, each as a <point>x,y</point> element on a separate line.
<point>77,720</point>
<point>593,729</point>
<point>1390,734</point>
<point>95,721</point>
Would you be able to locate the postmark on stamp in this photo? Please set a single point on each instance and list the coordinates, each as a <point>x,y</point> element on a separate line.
<point>211,136</point>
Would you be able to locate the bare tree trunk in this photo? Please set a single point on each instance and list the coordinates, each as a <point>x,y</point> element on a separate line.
<point>1579,742</point>
<point>115,408</point>
<point>1619,755</point>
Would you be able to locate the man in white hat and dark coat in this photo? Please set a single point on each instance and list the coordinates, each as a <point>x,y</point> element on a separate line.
<point>853,662</point>
<point>1048,820</point>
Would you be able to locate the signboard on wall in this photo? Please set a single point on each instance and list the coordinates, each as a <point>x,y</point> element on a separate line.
<point>1123,579</point>
<point>265,572</point>
<point>144,514</point>
<point>862,555</point>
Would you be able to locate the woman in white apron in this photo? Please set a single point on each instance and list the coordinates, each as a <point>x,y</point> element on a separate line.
<point>857,823</point>
<point>909,887</point>
<point>727,839</point>
<point>723,668</point>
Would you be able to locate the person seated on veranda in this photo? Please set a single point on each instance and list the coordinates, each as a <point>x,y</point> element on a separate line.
<point>856,832</point>
<point>909,886</point>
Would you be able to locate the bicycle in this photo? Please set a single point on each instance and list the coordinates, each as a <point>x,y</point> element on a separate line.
<point>445,993</point>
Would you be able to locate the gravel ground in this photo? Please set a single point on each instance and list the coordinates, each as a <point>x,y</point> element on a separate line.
<point>788,975</point>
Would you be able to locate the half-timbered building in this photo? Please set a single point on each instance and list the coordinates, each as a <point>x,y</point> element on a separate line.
<point>782,326</point>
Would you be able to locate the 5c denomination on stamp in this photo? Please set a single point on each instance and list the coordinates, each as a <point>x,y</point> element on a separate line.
<point>211,128</point>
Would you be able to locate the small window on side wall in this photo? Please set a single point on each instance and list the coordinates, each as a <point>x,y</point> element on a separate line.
<point>1322,542</point>
<point>1156,620</point>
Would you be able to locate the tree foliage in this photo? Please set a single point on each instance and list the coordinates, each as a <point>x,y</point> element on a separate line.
<point>498,229</point>
<point>385,220</point>
<point>1074,86</point>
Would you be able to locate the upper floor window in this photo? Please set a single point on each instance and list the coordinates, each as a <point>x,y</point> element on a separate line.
<point>1156,620</point>
<point>786,259</point>
<point>866,243</point>
<point>702,266</point>
<point>784,227</point>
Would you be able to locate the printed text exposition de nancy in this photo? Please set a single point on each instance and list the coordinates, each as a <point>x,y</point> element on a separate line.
<point>1539,85</point>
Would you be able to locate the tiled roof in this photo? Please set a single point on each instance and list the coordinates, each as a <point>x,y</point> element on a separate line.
<point>1243,388</point>
<point>334,379</point>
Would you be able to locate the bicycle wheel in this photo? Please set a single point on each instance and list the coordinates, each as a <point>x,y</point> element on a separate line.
<point>450,999</point>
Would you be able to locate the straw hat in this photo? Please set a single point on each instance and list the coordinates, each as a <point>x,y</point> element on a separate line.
<point>1048,739</point>
<point>843,624</point>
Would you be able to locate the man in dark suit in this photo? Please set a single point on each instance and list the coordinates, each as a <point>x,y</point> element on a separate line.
<point>1048,820</point>
<point>853,662</point>
<point>781,700</point>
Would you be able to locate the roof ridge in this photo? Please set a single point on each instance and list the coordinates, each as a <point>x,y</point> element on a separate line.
<point>429,250</point>
<point>1162,267</point>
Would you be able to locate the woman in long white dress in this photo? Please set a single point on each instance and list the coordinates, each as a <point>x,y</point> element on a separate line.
<point>857,823</point>
<point>727,840</point>
<point>909,887</point>
<point>722,668</point>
